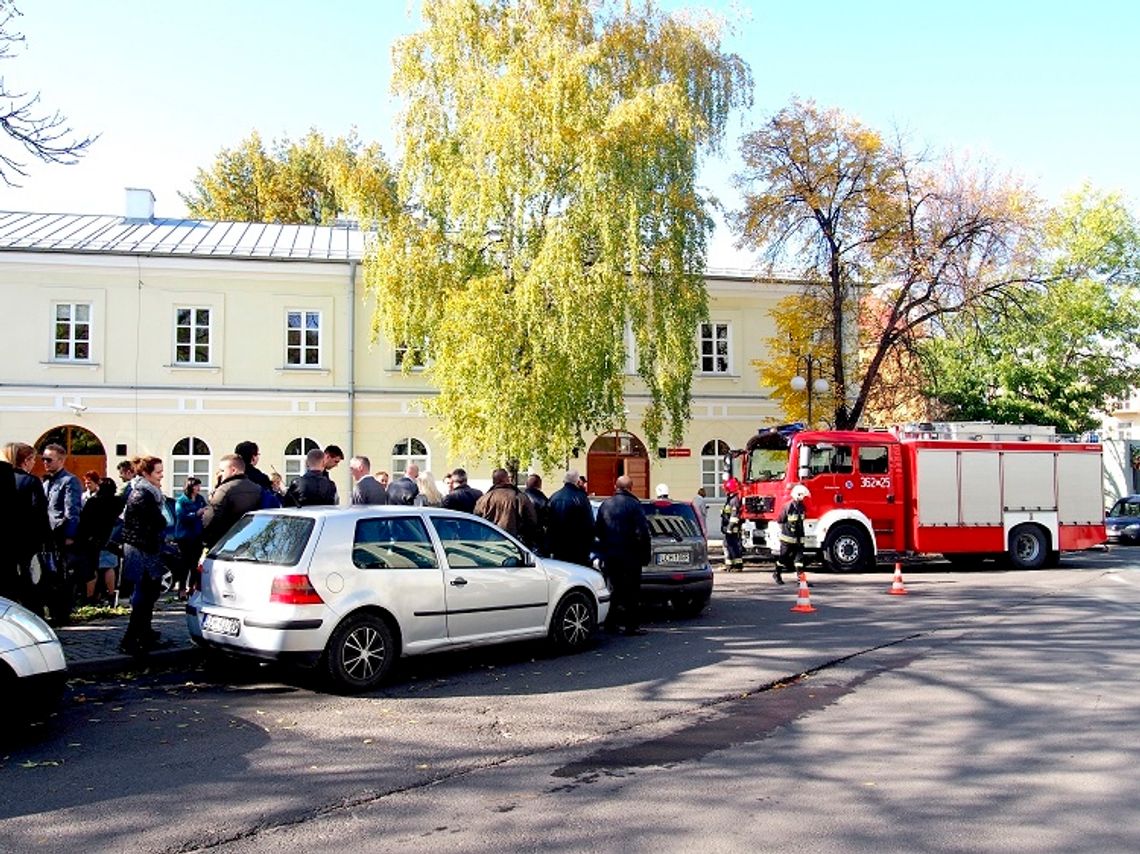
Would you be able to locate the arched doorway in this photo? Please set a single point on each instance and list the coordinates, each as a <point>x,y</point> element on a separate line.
<point>84,450</point>
<point>614,454</point>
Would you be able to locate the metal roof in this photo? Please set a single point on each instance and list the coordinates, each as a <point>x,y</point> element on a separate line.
<point>116,235</point>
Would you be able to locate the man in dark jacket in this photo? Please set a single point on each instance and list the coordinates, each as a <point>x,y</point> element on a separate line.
<point>251,455</point>
<point>314,488</point>
<point>403,489</point>
<point>570,522</point>
<point>462,496</point>
<point>624,547</point>
<point>365,488</point>
<point>235,496</point>
<point>506,506</point>
<point>541,503</point>
<point>64,502</point>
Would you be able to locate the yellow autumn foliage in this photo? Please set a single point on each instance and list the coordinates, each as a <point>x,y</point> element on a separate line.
<point>548,203</point>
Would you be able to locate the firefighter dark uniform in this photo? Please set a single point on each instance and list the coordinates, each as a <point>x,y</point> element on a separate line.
<point>791,521</point>
<point>730,528</point>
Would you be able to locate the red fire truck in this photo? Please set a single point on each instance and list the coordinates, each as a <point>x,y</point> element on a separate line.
<point>957,489</point>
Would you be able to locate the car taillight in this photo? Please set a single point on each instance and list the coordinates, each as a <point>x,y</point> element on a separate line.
<point>294,590</point>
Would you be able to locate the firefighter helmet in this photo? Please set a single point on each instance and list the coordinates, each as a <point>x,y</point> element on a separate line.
<point>732,486</point>
<point>800,492</point>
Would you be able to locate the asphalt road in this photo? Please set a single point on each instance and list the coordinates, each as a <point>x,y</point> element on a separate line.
<point>984,711</point>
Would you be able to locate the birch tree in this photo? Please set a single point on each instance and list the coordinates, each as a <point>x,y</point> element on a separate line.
<point>549,156</point>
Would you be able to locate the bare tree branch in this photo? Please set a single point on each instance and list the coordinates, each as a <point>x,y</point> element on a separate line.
<point>43,134</point>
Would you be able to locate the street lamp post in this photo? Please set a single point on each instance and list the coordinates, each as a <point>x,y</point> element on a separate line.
<point>817,386</point>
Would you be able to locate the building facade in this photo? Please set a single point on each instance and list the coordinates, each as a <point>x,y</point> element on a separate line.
<point>180,338</point>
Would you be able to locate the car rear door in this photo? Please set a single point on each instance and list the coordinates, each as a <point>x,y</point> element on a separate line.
<point>491,586</point>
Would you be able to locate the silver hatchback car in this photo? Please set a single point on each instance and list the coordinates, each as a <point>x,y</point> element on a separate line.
<point>354,589</point>
<point>32,666</point>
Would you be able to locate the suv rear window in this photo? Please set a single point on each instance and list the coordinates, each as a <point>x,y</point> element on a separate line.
<point>275,539</point>
<point>671,519</point>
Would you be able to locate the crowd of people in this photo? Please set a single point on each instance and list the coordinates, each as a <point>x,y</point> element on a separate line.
<point>84,542</point>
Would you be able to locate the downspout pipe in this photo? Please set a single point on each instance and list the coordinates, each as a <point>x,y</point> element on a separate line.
<point>352,265</point>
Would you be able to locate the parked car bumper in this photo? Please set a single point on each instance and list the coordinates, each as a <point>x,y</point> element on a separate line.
<point>666,584</point>
<point>300,640</point>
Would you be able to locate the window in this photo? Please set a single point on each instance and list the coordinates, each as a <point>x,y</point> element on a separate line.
<point>72,341</point>
<point>829,459</point>
<point>630,349</point>
<point>408,452</point>
<point>192,336</point>
<point>295,457</point>
<point>190,457</point>
<point>400,543</point>
<point>712,468</point>
<point>470,544</point>
<point>1124,508</point>
<point>873,460</point>
<point>411,356</point>
<point>278,540</point>
<point>714,348</point>
<point>303,338</point>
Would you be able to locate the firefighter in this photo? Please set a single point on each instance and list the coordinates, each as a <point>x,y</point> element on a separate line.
<point>792,534</point>
<point>730,527</point>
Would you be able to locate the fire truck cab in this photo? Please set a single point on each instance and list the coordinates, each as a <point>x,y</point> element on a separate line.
<point>957,489</point>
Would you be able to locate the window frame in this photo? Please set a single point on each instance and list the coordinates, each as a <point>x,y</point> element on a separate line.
<point>717,460</point>
<point>72,323</point>
<point>303,348</point>
<point>294,464</point>
<point>193,345</point>
<point>183,466</point>
<point>421,460</point>
<point>401,352</point>
<point>711,327</point>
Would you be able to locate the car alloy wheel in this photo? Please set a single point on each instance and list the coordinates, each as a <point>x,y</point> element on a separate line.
<point>573,623</point>
<point>360,652</point>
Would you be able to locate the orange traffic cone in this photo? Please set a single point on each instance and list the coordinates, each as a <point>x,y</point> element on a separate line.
<point>803,600</point>
<point>897,588</point>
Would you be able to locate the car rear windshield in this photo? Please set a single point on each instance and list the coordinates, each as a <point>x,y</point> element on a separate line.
<point>264,538</point>
<point>670,519</point>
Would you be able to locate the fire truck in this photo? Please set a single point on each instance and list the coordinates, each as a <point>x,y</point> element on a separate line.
<point>964,490</point>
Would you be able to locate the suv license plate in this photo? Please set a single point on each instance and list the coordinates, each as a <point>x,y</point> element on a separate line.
<point>673,558</point>
<point>221,625</point>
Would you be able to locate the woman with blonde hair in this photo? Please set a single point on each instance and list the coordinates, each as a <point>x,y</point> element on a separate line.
<point>429,496</point>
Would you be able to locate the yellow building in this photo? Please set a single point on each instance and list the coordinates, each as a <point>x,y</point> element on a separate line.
<point>134,335</point>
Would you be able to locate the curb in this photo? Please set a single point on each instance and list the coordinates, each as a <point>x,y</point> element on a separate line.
<point>162,659</point>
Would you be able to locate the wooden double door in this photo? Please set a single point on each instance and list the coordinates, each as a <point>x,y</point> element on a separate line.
<point>613,455</point>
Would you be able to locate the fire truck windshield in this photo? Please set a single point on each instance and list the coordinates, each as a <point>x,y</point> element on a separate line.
<point>767,465</point>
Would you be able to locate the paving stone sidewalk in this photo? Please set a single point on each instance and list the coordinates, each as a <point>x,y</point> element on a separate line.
<point>93,648</point>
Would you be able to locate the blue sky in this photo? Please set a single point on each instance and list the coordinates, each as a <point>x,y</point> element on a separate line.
<point>1043,90</point>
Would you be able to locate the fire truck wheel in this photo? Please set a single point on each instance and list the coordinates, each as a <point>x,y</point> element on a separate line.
<point>1028,547</point>
<point>848,549</point>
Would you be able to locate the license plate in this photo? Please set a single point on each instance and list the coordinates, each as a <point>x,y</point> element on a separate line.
<point>672,558</point>
<point>221,625</point>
